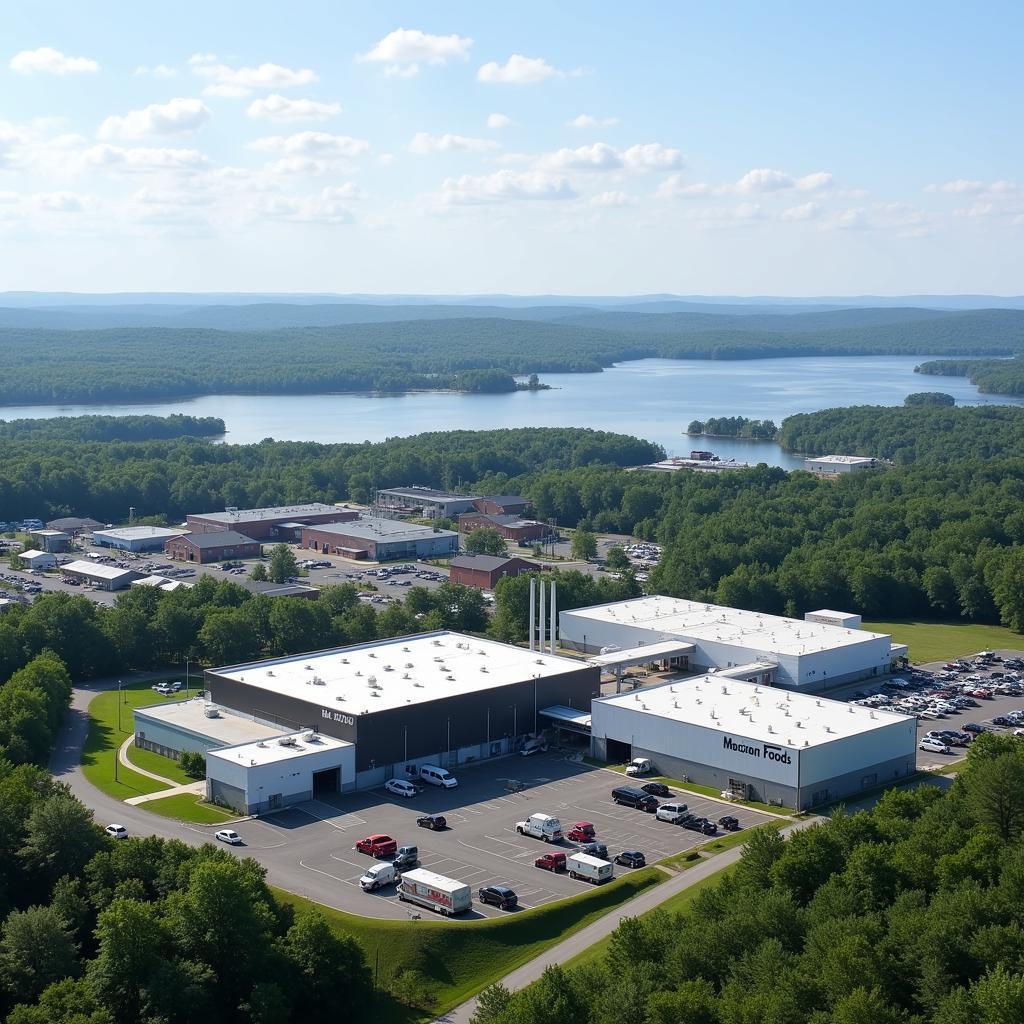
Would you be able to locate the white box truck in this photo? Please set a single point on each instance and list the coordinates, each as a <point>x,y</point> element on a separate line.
<point>593,869</point>
<point>435,892</point>
<point>541,826</point>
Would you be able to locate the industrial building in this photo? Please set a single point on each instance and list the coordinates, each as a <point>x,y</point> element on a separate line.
<point>212,547</point>
<point>848,620</point>
<point>443,504</point>
<point>33,559</point>
<point>194,724</point>
<point>75,525</point>
<point>831,465</point>
<point>277,523</point>
<point>54,541</point>
<point>135,538</point>
<point>503,505</point>
<point>381,540</point>
<point>96,574</point>
<point>484,571</point>
<point>514,528</point>
<point>755,742</point>
<point>440,698</point>
<point>791,653</point>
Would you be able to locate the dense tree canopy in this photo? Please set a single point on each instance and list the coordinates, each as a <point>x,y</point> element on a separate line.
<point>993,376</point>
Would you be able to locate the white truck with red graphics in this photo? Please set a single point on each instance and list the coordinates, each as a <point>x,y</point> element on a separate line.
<point>435,892</point>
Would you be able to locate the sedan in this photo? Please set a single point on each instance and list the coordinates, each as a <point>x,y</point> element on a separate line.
<point>656,789</point>
<point>974,727</point>
<point>229,836</point>
<point>116,831</point>
<point>435,822</point>
<point>631,859</point>
<point>497,896</point>
<point>401,788</point>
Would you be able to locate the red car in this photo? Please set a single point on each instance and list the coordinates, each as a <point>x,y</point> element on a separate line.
<point>551,862</point>
<point>377,846</point>
<point>581,832</point>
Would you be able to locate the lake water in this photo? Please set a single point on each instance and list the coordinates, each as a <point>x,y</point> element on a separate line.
<point>650,398</point>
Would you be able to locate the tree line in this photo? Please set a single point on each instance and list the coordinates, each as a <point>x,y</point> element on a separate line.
<point>991,376</point>
<point>911,913</point>
<point>734,426</point>
<point>111,428</point>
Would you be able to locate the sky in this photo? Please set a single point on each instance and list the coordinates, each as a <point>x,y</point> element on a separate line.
<point>718,148</point>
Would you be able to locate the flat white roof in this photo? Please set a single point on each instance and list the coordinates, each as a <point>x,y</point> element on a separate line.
<point>385,530</point>
<point>97,569</point>
<point>695,620</point>
<point>390,674</point>
<point>255,515</point>
<point>272,750</point>
<point>842,460</point>
<point>227,728</point>
<point>575,716</point>
<point>642,655</point>
<point>139,532</point>
<point>833,613</point>
<point>49,533</point>
<point>757,712</point>
<point>32,553</point>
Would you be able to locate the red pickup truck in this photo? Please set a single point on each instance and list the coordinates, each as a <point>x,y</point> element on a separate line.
<point>377,846</point>
<point>551,862</point>
<point>582,832</point>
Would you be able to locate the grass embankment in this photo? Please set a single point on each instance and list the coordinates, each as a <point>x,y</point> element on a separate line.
<point>689,858</point>
<point>941,641</point>
<point>186,807</point>
<point>455,961</point>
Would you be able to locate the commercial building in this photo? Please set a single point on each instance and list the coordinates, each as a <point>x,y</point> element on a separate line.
<point>831,465</point>
<point>75,525</point>
<point>756,742</point>
<point>381,540</point>
<point>503,505</point>
<point>194,724</point>
<point>484,571</point>
<point>96,574</point>
<point>266,523</point>
<point>439,698</point>
<point>510,527</point>
<point>212,547</point>
<point>135,538</point>
<point>33,559</point>
<point>791,653</point>
<point>54,541</point>
<point>436,504</point>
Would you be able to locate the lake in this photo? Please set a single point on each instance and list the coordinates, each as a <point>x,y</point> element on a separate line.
<point>650,398</point>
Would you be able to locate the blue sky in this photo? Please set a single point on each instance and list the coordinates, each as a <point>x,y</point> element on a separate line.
<point>716,148</point>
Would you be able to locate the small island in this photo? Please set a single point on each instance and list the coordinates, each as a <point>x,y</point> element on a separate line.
<point>734,426</point>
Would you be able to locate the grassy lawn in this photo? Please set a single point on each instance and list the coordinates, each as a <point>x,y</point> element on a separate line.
<point>687,859</point>
<point>186,807</point>
<point>941,641</point>
<point>106,734</point>
<point>158,764</point>
<point>455,961</point>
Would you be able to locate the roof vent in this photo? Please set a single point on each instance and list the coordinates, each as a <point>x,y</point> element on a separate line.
<point>405,675</point>
<point>408,664</point>
<point>375,694</point>
<point>371,680</point>
<point>359,672</point>
<point>339,697</point>
<point>371,654</point>
<point>437,657</point>
<point>872,714</point>
<point>451,679</point>
<point>818,702</point>
<point>261,744</point>
<point>270,671</point>
<point>643,707</point>
<point>538,661</point>
<point>308,668</point>
<point>675,703</point>
<point>771,731</point>
<point>799,724</point>
<point>483,668</point>
<point>419,685</point>
<point>311,737</point>
<point>482,651</point>
<point>806,744</point>
<point>388,668</point>
<point>849,707</point>
<point>406,649</point>
<point>437,643</point>
<point>344,661</point>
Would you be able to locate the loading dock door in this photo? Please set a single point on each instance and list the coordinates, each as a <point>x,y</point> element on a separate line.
<point>618,752</point>
<point>327,781</point>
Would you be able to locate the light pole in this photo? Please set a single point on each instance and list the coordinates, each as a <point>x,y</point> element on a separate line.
<point>535,678</point>
<point>119,705</point>
<point>186,677</point>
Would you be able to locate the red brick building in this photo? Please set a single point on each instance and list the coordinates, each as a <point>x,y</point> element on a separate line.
<point>212,547</point>
<point>522,531</point>
<point>484,571</point>
<point>502,505</point>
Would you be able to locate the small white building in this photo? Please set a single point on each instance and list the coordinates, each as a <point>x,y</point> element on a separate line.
<point>135,538</point>
<point>96,574</point>
<point>756,742</point>
<point>33,559</point>
<point>265,775</point>
<point>845,620</point>
<point>830,465</point>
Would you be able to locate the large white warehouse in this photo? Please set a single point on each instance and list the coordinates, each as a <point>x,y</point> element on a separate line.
<point>757,742</point>
<point>791,653</point>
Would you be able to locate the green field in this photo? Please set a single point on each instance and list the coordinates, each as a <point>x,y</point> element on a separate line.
<point>188,808</point>
<point>455,961</point>
<point>689,858</point>
<point>941,641</point>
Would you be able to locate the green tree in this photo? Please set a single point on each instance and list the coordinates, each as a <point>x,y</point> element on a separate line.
<point>228,637</point>
<point>995,791</point>
<point>584,545</point>
<point>485,541</point>
<point>617,560</point>
<point>193,764</point>
<point>71,1001</point>
<point>60,838</point>
<point>36,949</point>
<point>283,564</point>
<point>491,1004</point>
<point>259,573</point>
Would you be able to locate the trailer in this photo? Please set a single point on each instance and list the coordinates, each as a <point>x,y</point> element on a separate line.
<point>593,869</point>
<point>445,896</point>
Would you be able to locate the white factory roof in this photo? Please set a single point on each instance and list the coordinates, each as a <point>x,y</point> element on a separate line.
<point>33,553</point>
<point>139,533</point>
<point>762,713</point>
<point>841,460</point>
<point>255,515</point>
<point>669,617</point>
<point>190,714</point>
<point>370,528</point>
<point>279,748</point>
<point>391,674</point>
<point>97,570</point>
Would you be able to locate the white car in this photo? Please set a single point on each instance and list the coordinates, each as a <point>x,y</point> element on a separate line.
<point>401,788</point>
<point>672,813</point>
<point>229,836</point>
<point>116,831</point>
<point>934,746</point>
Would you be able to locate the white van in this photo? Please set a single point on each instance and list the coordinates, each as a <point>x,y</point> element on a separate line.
<point>438,776</point>
<point>379,875</point>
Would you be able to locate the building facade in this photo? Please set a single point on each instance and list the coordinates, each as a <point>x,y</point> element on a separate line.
<point>510,527</point>
<point>484,571</point>
<point>264,523</point>
<point>381,540</point>
<point>135,538</point>
<point>219,546</point>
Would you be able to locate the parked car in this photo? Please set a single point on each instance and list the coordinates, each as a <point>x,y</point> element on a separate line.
<point>974,727</point>
<point>695,824</point>
<point>934,746</point>
<point>377,845</point>
<point>631,859</point>
<point>229,836</point>
<point>435,822</point>
<point>401,788</point>
<point>656,789</point>
<point>581,832</point>
<point>497,896</point>
<point>407,857</point>
<point>638,766</point>
<point>630,796</point>
<point>377,875</point>
<point>599,850</point>
<point>730,823</point>
<point>551,862</point>
<point>531,747</point>
<point>672,813</point>
<point>116,831</point>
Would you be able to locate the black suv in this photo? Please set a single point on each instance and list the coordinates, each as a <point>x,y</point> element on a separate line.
<point>435,822</point>
<point>729,822</point>
<point>595,850</point>
<point>631,859</point>
<point>630,796</point>
<point>497,896</point>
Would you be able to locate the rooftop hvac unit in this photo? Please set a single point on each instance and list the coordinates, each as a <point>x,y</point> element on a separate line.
<point>310,737</point>
<point>211,711</point>
<point>483,668</point>
<point>437,657</point>
<point>408,664</point>
<point>261,744</point>
<point>270,671</point>
<point>538,661</point>
<point>286,741</point>
<point>372,655</point>
<point>406,649</point>
<point>339,697</point>
<point>344,661</point>
<point>405,675</point>
<point>317,681</point>
<point>308,668</point>
<point>372,680</point>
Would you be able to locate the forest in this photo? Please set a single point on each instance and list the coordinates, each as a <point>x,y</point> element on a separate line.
<point>909,914</point>
<point>111,428</point>
<point>991,376</point>
<point>122,363</point>
<point>733,426</point>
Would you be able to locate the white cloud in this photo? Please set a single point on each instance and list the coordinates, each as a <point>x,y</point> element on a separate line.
<point>586,121</point>
<point>652,156</point>
<point>805,211</point>
<point>613,198</point>
<point>168,197</point>
<point>765,179</point>
<point>403,50</point>
<point>237,82</point>
<point>963,186</point>
<point>599,156</point>
<point>47,60</point>
<point>673,187</point>
<point>518,70</point>
<point>423,143</point>
<point>139,158</point>
<point>506,185</point>
<point>160,71</point>
<point>499,121</point>
<point>279,108</point>
<point>179,116</point>
<point>325,207</point>
<point>314,145</point>
<point>58,202</point>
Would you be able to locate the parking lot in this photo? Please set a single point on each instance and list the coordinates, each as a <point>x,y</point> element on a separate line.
<point>480,846</point>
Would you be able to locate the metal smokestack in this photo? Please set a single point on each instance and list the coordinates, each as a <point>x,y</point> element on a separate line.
<point>533,612</point>
<point>554,620</point>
